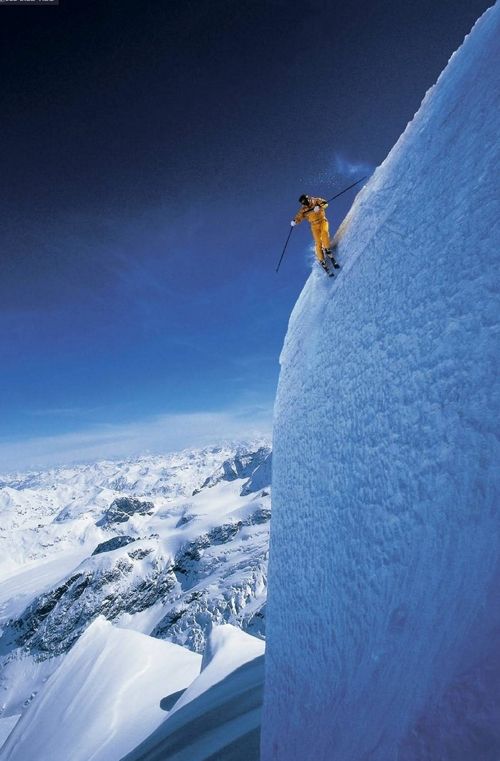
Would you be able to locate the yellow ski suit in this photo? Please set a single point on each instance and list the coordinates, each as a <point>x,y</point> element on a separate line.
<point>319,224</point>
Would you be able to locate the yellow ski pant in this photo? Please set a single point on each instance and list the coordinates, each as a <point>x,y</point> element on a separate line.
<point>321,234</point>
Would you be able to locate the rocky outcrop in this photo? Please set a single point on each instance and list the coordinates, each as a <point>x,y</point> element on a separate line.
<point>260,478</point>
<point>237,597</point>
<point>240,466</point>
<point>127,575</point>
<point>113,544</point>
<point>129,583</point>
<point>241,603</point>
<point>122,508</point>
<point>204,559</point>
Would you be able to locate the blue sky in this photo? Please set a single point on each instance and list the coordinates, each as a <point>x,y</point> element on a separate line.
<point>152,157</point>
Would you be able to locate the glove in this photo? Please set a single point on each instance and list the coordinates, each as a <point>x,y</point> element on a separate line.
<point>316,208</point>
<point>293,223</point>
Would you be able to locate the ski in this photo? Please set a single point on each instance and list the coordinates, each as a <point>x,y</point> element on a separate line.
<point>332,259</point>
<point>329,263</point>
<point>328,272</point>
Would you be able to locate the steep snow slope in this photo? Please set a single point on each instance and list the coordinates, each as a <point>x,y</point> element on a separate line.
<point>218,716</point>
<point>104,699</point>
<point>383,627</point>
<point>227,649</point>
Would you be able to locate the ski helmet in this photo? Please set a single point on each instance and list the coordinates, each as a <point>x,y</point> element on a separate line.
<point>303,199</point>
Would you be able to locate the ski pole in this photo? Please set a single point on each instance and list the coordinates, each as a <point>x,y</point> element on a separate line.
<point>346,189</point>
<point>341,192</point>
<point>284,248</point>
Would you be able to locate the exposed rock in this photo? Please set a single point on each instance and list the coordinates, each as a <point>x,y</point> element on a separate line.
<point>261,515</point>
<point>140,554</point>
<point>218,574</point>
<point>113,544</point>
<point>260,478</point>
<point>54,621</point>
<point>122,508</point>
<point>238,596</point>
<point>240,466</point>
<point>189,621</point>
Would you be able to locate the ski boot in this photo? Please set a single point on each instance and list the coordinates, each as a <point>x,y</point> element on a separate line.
<point>328,252</point>
<point>324,266</point>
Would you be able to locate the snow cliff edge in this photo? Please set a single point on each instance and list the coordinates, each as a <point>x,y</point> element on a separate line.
<point>383,634</point>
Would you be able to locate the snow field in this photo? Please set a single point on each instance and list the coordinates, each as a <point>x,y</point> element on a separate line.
<point>104,699</point>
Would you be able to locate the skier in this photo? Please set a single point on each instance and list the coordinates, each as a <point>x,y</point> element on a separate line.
<point>314,210</point>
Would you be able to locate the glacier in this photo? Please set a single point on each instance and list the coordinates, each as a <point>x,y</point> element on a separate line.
<point>383,623</point>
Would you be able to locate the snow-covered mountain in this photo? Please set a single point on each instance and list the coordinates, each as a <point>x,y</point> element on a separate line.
<point>166,546</point>
<point>383,628</point>
<point>219,715</point>
<point>133,594</point>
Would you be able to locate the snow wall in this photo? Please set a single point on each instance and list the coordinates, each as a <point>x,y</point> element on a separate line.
<point>383,617</point>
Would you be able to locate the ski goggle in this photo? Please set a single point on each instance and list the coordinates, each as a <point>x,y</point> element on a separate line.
<point>304,200</point>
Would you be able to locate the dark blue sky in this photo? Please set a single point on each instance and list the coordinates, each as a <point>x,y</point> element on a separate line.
<point>152,154</point>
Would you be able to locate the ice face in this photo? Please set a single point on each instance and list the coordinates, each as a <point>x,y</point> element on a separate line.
<point>382,638</point>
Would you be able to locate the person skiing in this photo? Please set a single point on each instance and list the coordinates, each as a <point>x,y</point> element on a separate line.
<point>313,209</point>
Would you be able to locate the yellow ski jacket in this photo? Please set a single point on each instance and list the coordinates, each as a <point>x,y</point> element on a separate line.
<point>307,212</point>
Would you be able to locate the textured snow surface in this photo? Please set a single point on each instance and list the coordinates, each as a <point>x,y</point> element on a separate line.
<point>383,626</point>
<point>104,699</point>
<point>218,716</point>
